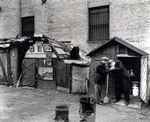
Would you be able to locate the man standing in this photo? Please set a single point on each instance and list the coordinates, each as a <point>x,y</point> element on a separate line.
<point>101,72</point>
<point>122,78</point>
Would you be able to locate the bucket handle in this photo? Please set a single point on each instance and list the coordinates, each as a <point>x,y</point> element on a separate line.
<point>88,112</point>
<point>91,101</point>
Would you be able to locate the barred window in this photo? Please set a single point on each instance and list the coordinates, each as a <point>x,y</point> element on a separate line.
<point>99,23</point>
<point>28,26</point>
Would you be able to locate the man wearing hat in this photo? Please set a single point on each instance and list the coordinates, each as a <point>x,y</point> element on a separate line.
<point>121,79</point>
<point>100,76</point>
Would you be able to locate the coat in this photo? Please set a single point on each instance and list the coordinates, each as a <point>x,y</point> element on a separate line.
<point>100,74</point>
<point>120,70</point>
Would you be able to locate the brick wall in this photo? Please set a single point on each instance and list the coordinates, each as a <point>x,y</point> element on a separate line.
<point>131,21</point>
<point>67,20</point>
<point>9,18</point>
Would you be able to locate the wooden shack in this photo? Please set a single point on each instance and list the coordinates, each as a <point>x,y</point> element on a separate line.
<point>9,54</point>
<point>42,62</point>
<point>38,62</point>
<point>46,64</point>
<point>37,69</point>
<point>72,76</point>
<point>134,59</point>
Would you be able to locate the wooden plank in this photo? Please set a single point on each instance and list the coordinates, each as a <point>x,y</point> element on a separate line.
<point>63,75</point>
<point>59,88</point>
<point>14,64</point>
<point>45,84</point>
<point>60,51</point>
<point>58,72</point>
<point>68,76</point>
<point>9,66</point>
<point>3,73</point>
<point>79,82</point>
<point>144,83</point>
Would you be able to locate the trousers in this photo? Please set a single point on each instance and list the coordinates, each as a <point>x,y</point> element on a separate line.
<point>122,84</point>
<point>98,90</point>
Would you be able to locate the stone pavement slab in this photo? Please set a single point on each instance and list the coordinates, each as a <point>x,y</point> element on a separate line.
<point>131,104</point>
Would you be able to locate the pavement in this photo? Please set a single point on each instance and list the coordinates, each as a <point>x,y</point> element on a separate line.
<point>137,105</point>
<point>39,105</point>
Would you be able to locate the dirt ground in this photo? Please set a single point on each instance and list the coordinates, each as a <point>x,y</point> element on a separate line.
<point>38,105</point>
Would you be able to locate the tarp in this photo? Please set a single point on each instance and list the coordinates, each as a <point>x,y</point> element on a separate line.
<point>29,72</point>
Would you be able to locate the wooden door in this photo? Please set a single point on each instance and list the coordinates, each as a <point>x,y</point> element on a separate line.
<point>3,67</point>
<point>144,79</point>
<point>80,77</point>
<point>63,76</point>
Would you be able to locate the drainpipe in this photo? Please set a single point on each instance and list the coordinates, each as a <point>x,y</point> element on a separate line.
<point>19,63</point>
<point>20,21</point>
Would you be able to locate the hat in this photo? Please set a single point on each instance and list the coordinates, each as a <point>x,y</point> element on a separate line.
<point>105,58</point>
<point>110,61</point>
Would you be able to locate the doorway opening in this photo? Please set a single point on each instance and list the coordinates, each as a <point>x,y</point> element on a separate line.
<point>133,65</point>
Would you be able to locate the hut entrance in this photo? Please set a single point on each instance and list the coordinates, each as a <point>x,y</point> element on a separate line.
<point>133,65</point>
<point>29,72</point>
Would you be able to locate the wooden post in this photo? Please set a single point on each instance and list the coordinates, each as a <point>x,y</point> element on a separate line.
<point>8,66</point>
<point>14,64</point>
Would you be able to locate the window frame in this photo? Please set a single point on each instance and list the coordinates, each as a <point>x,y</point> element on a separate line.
<point>90,39</point>
<point>24,21</point>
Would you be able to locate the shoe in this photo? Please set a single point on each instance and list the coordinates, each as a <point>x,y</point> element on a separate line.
<point>115,100</point>
<point>100,102</point>
<point>126,103</point>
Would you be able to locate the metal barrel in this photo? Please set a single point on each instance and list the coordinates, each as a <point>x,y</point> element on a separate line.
<point>61,113</point>
<point>87,109</point>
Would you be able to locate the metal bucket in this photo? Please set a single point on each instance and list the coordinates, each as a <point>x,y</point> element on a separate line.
<point>61,113</point>
<point>135,88</point>
<point>87,110</point>
<point>135,91</point>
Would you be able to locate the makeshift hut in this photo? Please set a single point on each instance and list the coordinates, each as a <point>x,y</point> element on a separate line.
<point>71,68</point>
<point>36,63</point>
<point>9,63</point>
<point>134,59</point>
<point>47,63</point>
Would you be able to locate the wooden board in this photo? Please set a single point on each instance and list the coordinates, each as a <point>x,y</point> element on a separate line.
<point>3,67</point>
<point>79,79</point>
<point>63,74</point>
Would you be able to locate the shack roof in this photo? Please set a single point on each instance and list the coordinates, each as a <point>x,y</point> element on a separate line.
<point>60,48</point>
<point>122,42</point>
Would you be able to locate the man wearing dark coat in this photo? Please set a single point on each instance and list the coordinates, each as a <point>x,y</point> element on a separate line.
<point>122,80</point>
<point>100,76</point>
